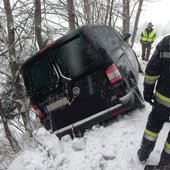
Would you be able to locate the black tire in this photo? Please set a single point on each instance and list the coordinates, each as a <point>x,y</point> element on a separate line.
<point>139,101</point>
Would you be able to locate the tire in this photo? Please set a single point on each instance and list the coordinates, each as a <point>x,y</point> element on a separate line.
<point>139,102</point>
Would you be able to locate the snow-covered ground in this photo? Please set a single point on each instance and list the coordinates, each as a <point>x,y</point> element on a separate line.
<point>102,148</point>
<point>111,147</point>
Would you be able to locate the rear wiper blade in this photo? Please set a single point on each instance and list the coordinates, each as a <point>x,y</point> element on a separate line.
<point>59,73</point>
<point>56,72</point>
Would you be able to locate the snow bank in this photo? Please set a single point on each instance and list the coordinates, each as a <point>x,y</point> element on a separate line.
<point>50,142</point>
<point>32,160</point>
<point>42,155</point>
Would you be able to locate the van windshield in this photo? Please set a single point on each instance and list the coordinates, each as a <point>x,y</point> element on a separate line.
<point>74,56</point>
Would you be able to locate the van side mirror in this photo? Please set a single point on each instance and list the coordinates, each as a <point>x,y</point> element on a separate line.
<point>127,36</point>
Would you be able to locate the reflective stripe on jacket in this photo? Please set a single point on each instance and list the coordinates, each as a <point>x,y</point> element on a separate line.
<point>150,79</point>
<point>162,99</point>
<point>148,37</point>
<point>158,72</point>
<point>151,136</point>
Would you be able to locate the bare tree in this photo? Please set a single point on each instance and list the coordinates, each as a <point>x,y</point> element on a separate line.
<point>126,15</point>
<point>71,14</point>
<point>87,10</point>
<point>13,63</point>
<point>111,13</point>
<point>13,142</point>
<point>37,23</point>
<point>107,12</point>
<point>136,22</point>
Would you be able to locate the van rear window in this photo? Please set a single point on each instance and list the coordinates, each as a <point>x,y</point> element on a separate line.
<point>39,74</point>
<point>72,57</point>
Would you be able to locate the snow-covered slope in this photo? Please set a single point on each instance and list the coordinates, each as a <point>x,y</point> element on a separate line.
<point>111,147</point>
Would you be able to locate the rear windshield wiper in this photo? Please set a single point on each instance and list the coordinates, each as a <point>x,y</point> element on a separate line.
<point>59,73</point>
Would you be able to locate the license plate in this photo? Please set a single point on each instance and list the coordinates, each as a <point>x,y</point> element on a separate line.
<point>57,104</point>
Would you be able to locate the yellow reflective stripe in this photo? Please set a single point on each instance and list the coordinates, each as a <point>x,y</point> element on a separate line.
<point>167,145</point>
<point>152,134</point>
<point>152,34</point>
<point>164,98</point>
<point>147,77</point>
<point>154,38</point>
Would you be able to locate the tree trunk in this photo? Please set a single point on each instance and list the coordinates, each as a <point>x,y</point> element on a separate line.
<point>126,15</point>
<point>87,11</point>
<point>13,142</point>
<point>111,13</point>
<point>107,12</point>
<point>71,14</point>
<point>13,64</point>
<point>10,27</point>
<point>136,22</point>
<point>37,23</point>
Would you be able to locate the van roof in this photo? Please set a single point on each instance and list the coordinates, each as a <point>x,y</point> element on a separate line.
<point>86,29</point>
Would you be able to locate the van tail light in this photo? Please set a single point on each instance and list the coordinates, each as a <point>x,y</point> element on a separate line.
<point>38,112</point>
<point>113,74</point>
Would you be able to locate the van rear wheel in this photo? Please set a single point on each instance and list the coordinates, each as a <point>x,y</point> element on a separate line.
<point>139,101</point>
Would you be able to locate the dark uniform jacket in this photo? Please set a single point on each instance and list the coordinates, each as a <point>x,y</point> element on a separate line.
<point>158,72</point>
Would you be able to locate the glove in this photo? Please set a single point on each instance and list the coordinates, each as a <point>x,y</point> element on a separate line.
<point>148,94</point>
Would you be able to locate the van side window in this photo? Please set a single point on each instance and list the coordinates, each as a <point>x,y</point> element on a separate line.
<point>117,54</point>
<point>130,56</point>
<point>73,56</point>
<point>108,37</point>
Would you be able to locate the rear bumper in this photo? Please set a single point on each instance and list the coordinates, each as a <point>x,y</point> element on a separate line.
<point>126,104</point>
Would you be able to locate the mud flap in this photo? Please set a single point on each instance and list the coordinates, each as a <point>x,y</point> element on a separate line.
<point>156,167</point>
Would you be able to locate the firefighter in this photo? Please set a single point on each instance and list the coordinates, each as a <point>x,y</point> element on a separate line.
<point>147,37</point>
<point>157,93</point>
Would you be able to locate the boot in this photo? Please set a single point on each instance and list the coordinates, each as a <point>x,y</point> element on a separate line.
<point>145,150</point>
<point>141,156</point>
